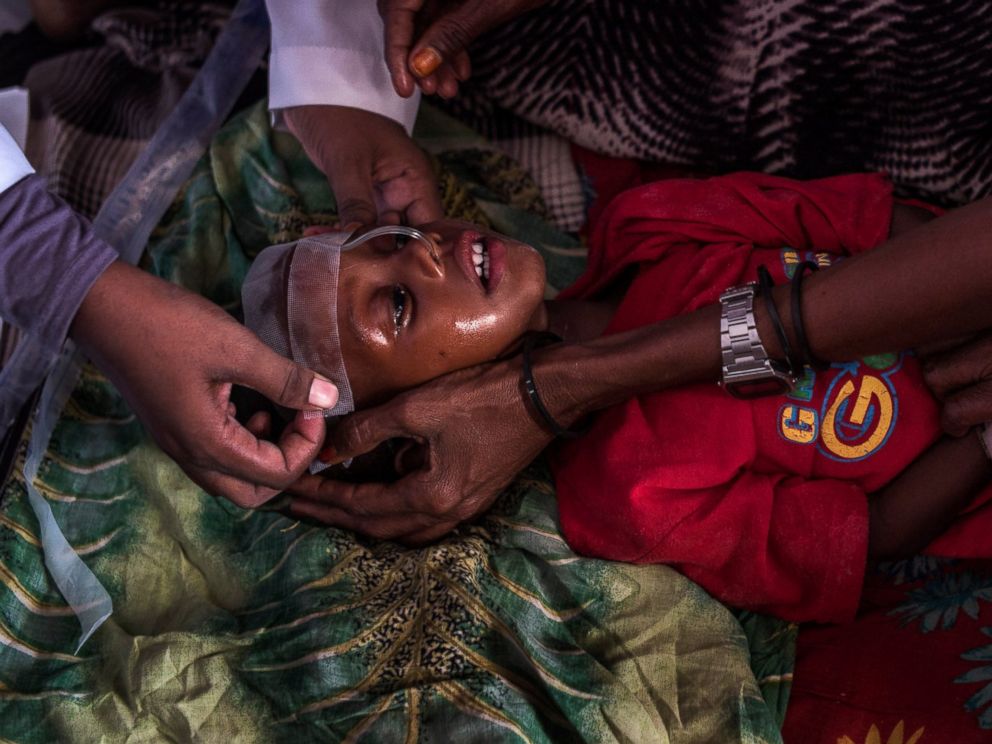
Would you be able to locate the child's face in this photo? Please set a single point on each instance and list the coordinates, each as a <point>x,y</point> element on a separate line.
<point>405,318</point>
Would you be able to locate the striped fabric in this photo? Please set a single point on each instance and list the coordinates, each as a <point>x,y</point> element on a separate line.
<point>798,87</point>
<point>95,108</point>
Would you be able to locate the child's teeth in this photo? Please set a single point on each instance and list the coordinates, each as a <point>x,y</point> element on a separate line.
<point>477,247</point>
<point>477,259</point>
<point>478,270</point>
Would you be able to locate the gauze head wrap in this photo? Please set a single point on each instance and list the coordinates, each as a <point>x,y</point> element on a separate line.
<point>290,301</point>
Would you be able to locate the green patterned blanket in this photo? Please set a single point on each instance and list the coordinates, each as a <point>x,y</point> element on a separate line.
<point>234,625</point>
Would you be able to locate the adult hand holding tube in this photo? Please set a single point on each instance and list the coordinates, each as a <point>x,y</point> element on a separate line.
<point>377,172</point>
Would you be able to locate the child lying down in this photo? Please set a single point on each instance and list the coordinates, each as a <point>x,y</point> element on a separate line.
<point>773,503</point>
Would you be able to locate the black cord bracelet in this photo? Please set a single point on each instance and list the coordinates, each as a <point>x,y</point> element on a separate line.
<point>531,387</point>
<point>766,284</point>
<point>797,316</point>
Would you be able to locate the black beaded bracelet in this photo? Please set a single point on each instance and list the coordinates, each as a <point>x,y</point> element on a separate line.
<point>766,285</point>
<point>531,387</point>
<point>797,316</point>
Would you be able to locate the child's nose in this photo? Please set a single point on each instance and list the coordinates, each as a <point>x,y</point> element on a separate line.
<point>428,257</point>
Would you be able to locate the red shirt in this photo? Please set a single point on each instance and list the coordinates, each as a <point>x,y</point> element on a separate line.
<point>761,502</point>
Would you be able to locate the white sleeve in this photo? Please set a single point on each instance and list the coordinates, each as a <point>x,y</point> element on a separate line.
<point>331,52</point>
<point>13,165</point>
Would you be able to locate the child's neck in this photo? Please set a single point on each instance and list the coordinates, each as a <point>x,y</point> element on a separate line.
<point>579,320</point>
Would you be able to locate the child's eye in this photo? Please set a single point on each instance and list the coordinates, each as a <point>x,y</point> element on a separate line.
<point>401,301</point>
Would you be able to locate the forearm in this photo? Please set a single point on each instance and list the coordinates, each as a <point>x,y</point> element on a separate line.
<point>589,376</point>
<point>925,285</point>
<point>920,504</point>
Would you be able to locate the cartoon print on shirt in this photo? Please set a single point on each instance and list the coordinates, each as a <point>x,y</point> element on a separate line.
<point>791,258</point>
<point>799,424</point>
<point>803,389</point>
<point>860,407</point>
<point>858,413</point>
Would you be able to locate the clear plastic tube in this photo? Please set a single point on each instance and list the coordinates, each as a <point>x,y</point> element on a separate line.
<point>410,232</point>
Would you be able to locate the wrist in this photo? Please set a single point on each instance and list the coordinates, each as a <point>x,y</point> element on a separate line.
<point>576,380</point>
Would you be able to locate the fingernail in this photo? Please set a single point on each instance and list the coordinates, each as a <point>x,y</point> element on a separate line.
<point>328,454</point>
<point>323,393</point>
<point>426,61</point>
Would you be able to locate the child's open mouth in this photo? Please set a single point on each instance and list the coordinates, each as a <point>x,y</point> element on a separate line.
<point>480,257</point>
<point>483,260</point>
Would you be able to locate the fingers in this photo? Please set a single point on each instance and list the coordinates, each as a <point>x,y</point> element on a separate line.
<point>362,432</point>
<point>381,528</point>
<point>959,368</point>
<point>439,60</point>
<point>447,37</point>
<point>279,379</point>
<point>399,25</point>
<point>373,509</point>
<point>410,196</point>
<point>413,497</point>
<point>962,379</point>
<point>399,530</point>
<point>351,181</point>
<point>443,81</point>
<point>425,209</point>
<point>968,407</point>
<point>355,203</point>
<point>260,424</point>
<point>245,494</point>
<point>236,452</point>
<point>462,66</point>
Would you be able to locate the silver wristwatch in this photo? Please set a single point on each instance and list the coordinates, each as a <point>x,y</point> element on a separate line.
<point>747,370</point>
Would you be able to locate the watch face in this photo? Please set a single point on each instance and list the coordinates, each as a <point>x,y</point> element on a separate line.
<point>747,389</point>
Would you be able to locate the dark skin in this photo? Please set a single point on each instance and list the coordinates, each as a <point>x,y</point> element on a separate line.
<point>960,376</point>
<point>463,468</point>
<point>593,373</point>
<point>426,41</point>
<point>175,357</point>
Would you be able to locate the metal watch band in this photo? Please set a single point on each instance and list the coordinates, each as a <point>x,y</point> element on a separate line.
<point>747,370</point>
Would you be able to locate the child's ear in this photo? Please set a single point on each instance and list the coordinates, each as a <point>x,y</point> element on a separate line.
<point>409,456</point>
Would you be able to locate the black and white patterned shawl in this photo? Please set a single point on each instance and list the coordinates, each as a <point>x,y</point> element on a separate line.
<point>798,87</point>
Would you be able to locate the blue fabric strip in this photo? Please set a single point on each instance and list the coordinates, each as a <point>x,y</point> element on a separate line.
<point>125,221</point>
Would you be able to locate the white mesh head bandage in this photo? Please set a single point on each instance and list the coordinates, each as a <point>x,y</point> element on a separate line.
<point>290,301</point>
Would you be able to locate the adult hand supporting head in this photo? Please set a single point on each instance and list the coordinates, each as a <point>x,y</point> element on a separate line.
<point>961,379</point>
<point>477,435</point>
<point>174,356</point>
<point>377,173</point>
<point>437,59</point>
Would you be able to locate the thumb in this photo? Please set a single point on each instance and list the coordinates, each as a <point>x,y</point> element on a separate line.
<point>351,182</point>
<point>359,433</point>
<point>450,35</point>
<point>286,383</point>
<point>356,202</point>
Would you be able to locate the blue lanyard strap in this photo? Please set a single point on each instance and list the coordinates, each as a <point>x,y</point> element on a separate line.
<point>125,221</point>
